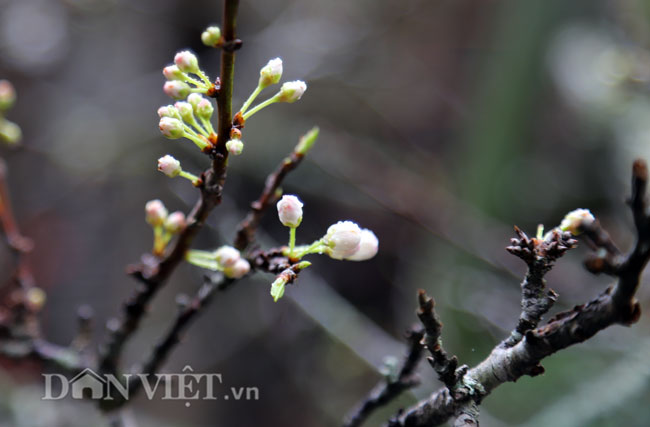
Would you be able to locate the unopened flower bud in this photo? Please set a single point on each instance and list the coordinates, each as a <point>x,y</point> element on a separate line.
<point>290,211</point>
<point>186,61</point>
<point>10,132</point>
<point>168,111</point>
<point>307,141</point>
<point>155,212</point>
<point>271,73</point>
<point>172,72</point>
<point>227,256</point>
<point>169,166</point>
<point>7,95</point>
<point>574,220</point>
<point>367,247</point>
<point>343,239</point>
<point>176,89</point>
<point>204,109</point>
<point>235,146</point>
<point>175,222</point>
<point>211,36</point>
<point>239,269</point>
<point>185,110</point>
<point>194,99</point>
<point>35,298</point>
<point>171,128</point>
<point>292,91</point>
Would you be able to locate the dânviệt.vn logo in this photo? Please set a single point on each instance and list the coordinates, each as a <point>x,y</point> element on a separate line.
<point>187,386</point>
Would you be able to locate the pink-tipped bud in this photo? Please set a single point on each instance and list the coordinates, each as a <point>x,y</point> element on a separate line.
<point>211,36</point>
<point>194,99</point>
<point>204,109</point>
<point>271,73</point>
<point>155,212</point>
<point>185,110</point>
<point>175,222</point>
<point>575,220</point>
<point>186,61</point>
<point>292,91</point>
<point>168,111</point>
<point>176,89</point>
<point>290,211</point>
<point>367,247</point>
<point>171,128</point>
<point>172,72</point>
<point>227,256</point>
<point>239,269</point>
<point>235,146</point>
<point>343,239</point>
<point>7,95</point>
<point>169,166</point>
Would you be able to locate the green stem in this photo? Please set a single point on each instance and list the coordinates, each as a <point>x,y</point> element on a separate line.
<point>189,176</point>
<point>292,240</point>
<point>158,241</point>
<point>250,99</point>
<point>207,124</point>
<point>259,106</point>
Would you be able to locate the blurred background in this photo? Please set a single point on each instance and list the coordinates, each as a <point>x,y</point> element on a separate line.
<point>443,124</point>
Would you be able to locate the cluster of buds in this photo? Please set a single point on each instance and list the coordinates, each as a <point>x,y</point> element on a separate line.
<point>180,82</point>
<point>226,259</point>
<point>189,119</point>
<point>344,240</point>
<point>271,74</point>
<point>164,224</point>
<point>9,131</point>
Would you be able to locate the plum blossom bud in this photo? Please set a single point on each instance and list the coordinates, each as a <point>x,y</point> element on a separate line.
<point>271,73</point>
<point>172,72</point>
<point>185,110</point>
<point>7,95</point>
<point>211,36</point>
<point>290,211</point>
<point>343,239</point>
<point>171,128</point>
<point>574,220</point>
<point>168,111</point>
<point>291,91</point>
<point>175,222</point>
<point>204,109</point>
<point>169,166</point>
<point>10,132</point>
<point>235,146</point>
<point>238,270</point>
<point>186,61</point>
<point>176,89</point>
<point>227,256</point>
<point>155,212</point>
<point>194,99</point>
<point>367,247</point>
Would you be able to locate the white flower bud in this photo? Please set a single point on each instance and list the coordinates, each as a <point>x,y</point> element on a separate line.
<point>186,61</point>
<point>35,298</point>
<point>194,99</point>
<point>290,211</point>
<point>176,89</point>
<point>235,146</point>
<point>185,110</point>
<point>343,239</point>
<point>7,95</point>
<point>367,247</point>
<point>211,36</point>
<point>576,219</point>
<point>227,256</point>
<point>172,72</point>
<point>171,128</point>
<point>169,166</point>
<point>204,109</point>
<point>168,111</point>
<point>271,73</point>
<point>239,269</point>
<point>155,212</point>
<point>175,222</point>
<point>292,91</point>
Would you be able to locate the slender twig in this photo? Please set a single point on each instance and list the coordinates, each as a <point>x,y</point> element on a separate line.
<point>247,228</point>
<point>15,239</point>
<point>614,306</point>
<point>390,388</point>
<point>153,272</point>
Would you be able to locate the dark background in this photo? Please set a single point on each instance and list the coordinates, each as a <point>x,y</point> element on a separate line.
<point>443,124</point>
